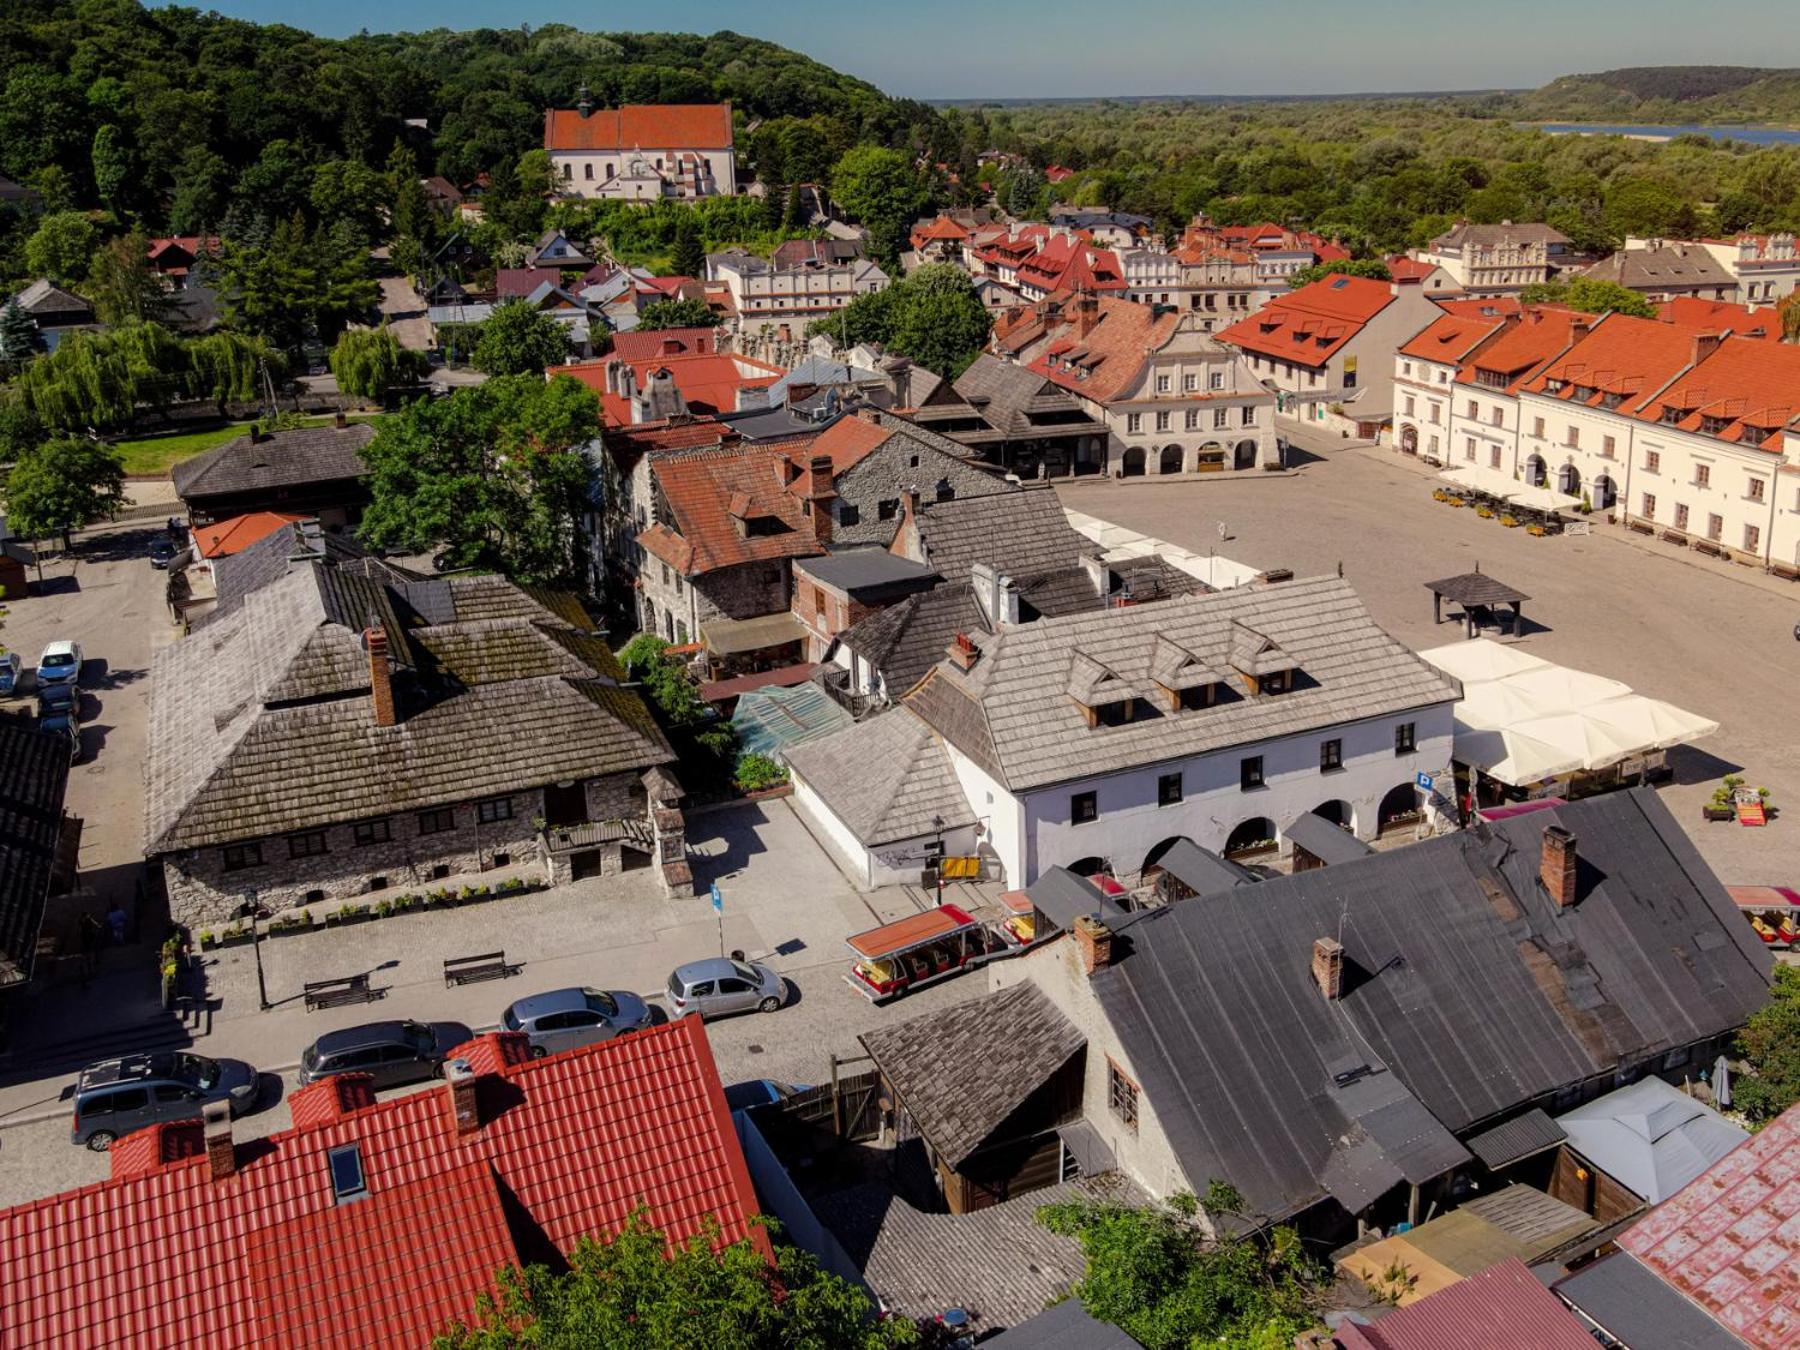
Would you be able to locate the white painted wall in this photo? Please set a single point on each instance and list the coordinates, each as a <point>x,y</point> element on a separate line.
<point>1001,813</point>
<point>889,865</point>
<point>849,850</point>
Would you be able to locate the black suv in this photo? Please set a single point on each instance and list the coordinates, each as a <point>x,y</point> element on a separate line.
<point>392,1052</point>
<point>117,1096</point>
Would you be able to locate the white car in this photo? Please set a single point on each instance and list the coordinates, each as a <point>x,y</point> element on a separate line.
<point>60,664</point>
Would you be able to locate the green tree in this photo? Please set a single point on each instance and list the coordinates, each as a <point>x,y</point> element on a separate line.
<point>202,189</point>
<point>1153,1274</point>
<point>228,367</point>
<point>881,189</point>
<point>113,168</point>
<point>350,191</point>
<point>633,1291</point>
<point>1373,268</point>
<point>494,475</point>
<point>368,362</point>
<point>18,335</point>
<point>689,257</point>
<point>793,211</point>
<point>677,314</point>
<point>121,284</point>
<point>63,485</point>
<point>939,321</point>
<point>1591,295</point>
<point>517,339</point>
<point>1643,207</point>
<point>61,247</point>
<point>299,284</point>
<point>1770,1043</point>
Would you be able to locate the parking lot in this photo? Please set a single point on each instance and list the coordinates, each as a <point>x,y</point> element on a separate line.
<point>1712,637</point>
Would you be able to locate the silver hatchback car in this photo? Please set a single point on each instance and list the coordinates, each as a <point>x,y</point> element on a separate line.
<point>565,1019</point>
<point>717,987</point>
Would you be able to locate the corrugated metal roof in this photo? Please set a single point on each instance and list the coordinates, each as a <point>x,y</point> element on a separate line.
<point>1518,1138</point>
<point>1327,842</point>
<point>1626,1300</point>
<point>1504,1308</point>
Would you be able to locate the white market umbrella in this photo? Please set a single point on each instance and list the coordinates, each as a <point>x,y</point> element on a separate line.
<point>1653,724</point>
<point>1481,660</point>
<point>1593,744</point>
<point>1559,689</point>
<point>1510,757</point>
<point>1496,703</point>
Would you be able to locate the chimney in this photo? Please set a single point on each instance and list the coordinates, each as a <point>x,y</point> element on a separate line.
<point>1558,864</point>
<point>381,679</point>
<point>584,103</point>
<point>465,1110</point>
<point>309,537</point>
<point>824,490</point>
<point>340,421</point>
<point>1705,344</point>
<point>1094,940</point>
<point>221,1151</point>
<point>1087,314</point>
<point>257,434</point>
<point>1328,966</point>
<point>963,653</point>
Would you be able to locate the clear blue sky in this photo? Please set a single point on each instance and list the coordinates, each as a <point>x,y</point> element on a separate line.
<point>1051,48</point>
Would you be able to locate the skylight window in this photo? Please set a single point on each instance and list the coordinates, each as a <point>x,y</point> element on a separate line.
<point>1340,283</point>
<point>347,1179</point>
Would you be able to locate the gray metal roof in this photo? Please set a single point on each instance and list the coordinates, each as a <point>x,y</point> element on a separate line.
<point>1631,1303</point>
<point>949,1074</point>
<point>1012,715</point>
<point>773,720</point>
<point>1202,871</point>
<point>1517,1139</point>
<point>1499,999</point>
<point>888,779</point>
<point>858,569</point>
<point>1650,1136</point>
<point>1063,1326</point>
<point>1327,842</point>
<point>1063,897</point>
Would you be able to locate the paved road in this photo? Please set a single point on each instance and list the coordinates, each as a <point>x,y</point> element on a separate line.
<point>1708,636</point>
<point>404,310</point>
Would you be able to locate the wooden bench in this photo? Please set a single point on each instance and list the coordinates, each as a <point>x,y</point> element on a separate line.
<point>487,966</point>
<point>1709,548</point>
<point>1786,571</point>
<point>334,993</point>
<point>1640,527</point>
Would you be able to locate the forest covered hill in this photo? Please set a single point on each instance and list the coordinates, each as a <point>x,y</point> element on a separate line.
<point>1727,95</point>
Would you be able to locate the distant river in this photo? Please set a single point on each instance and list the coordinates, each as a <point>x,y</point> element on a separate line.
<point>1755,135</point>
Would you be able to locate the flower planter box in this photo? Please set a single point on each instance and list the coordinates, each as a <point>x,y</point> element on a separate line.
<point>1721,813</point>
<point>230,940</point>
<point>766,794</point>
<point>277,930</point>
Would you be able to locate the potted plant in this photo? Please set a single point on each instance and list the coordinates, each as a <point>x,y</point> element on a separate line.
<point>513,885</point>
<point>207,940</point>
<point>384,908</point>
<point>1510,521</point>
<point>235,936</point>
<point>1485,512</point>
<point>1722,805</point>
<point>1536,531</point>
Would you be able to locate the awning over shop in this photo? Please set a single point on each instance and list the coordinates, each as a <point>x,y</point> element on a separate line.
<point>1477,479</point>
<point>732,637</point>
<point>1522,720</point>
<point>1541,499</point>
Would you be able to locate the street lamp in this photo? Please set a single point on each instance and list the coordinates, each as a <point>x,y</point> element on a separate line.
<point>253,911</point>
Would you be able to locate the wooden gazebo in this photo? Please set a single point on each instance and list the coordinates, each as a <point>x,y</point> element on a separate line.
<point>1476,592</point>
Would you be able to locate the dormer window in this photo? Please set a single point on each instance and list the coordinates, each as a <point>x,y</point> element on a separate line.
<point>1260,661</point>
<point>1103,696</point>
<point>1182,678</point>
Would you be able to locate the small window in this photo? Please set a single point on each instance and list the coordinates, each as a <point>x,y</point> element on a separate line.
<point>308,844</point>
<point>888,509</point>
<point>1250,772</point>
<point>1331,755</point>
<point>369,832</point>
<point>440,821</point>
<point>1756,489</point>
<point>1083,808</point>
<point>1406,738</point>
<point>1121,1095</point>
<point>945,490</point>
<point>494,809</point>
<point>1216,379</point>
<point>1168,789</point>
<point>1652,461</point>
<point>240,856</point>
<point>848,514</point>
<point>1702,475</point>
<point>378,883</point>
<point>1134,423</point>
<point>347,1179</point>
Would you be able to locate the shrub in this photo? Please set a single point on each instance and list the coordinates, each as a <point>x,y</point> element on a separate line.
<point>756,772</point>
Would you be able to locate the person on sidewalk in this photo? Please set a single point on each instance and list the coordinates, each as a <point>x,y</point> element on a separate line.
<point>115,920</point>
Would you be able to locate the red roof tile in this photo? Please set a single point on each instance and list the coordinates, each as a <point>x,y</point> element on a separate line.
<point>941,228</point>
<point>1745,392</point>
<point>708,381</point>
<point>849,441</point>
<point>1105,361</point>
<point>1487,307</point>
<point>235,534</point>
<point>1763,324</point>
<point>330,1099</point>
<point>1540,335</point>
<point>640,126</point>
<point>729,505</point>
<point>1730,1239</point>
<point>1309,325</point>
<point>1622,360</point>
<point>1449,339</point>
<point>638,346</point>
<point>1502,1308</point>
<point>171,1256</point>
<point>393,1269</point>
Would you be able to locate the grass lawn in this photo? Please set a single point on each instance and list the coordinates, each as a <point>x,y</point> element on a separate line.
<point>153,456</point>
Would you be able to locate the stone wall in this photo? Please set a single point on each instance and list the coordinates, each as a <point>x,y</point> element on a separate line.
<point>901,462</point>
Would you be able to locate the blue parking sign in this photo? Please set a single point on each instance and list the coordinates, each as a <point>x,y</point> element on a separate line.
<point>718,901</point>
<point>1424,781</point>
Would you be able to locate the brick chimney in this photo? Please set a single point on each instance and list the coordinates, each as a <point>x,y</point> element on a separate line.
<point>1328,966</point>
<point>1705,344</point>
<point>1558,864</point>
<point>824,490</point>
<point>339,420</point>
<point>962,652</point>
<point>381,679</point>
<point>221,1151</point>
<point>465,1109</point>
<point>1087,314</point>
<point>1094,940</point>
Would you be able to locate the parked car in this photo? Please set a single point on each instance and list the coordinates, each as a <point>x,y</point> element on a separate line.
<point>117,1096</point>
<point>758,1092</point>
<point>565,1019</point>
<point>58,698</point>
<point>392,1052</point>
<point>63,723</point>
<point>60,664</point>
<point>716,987</point>
<point>162,551</point>
<point>12,673</point>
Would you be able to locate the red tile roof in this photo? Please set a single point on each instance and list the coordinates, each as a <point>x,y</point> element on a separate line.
<point>1502,1308</point>
<point>1486,307</point>
<point>235,534</point>
<point>647,346</point>
<point>640,126</point>
<point>1763,324</point>
<point>941,228</point>
<point>1309,325</point>
<point>708,381</point>
<point>1621,361</point>
<point>1403,268</point>
<point>1745,392</point>
<point>1539,335</point>
<point>1072,264</point>
<point>729,505</point>
<point>389,1270</point>
<point>172,1257</point>
<point>1105,361</point>
<point>1449,339</point>
<point>849,441</point>
<point>1730,1239</point>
